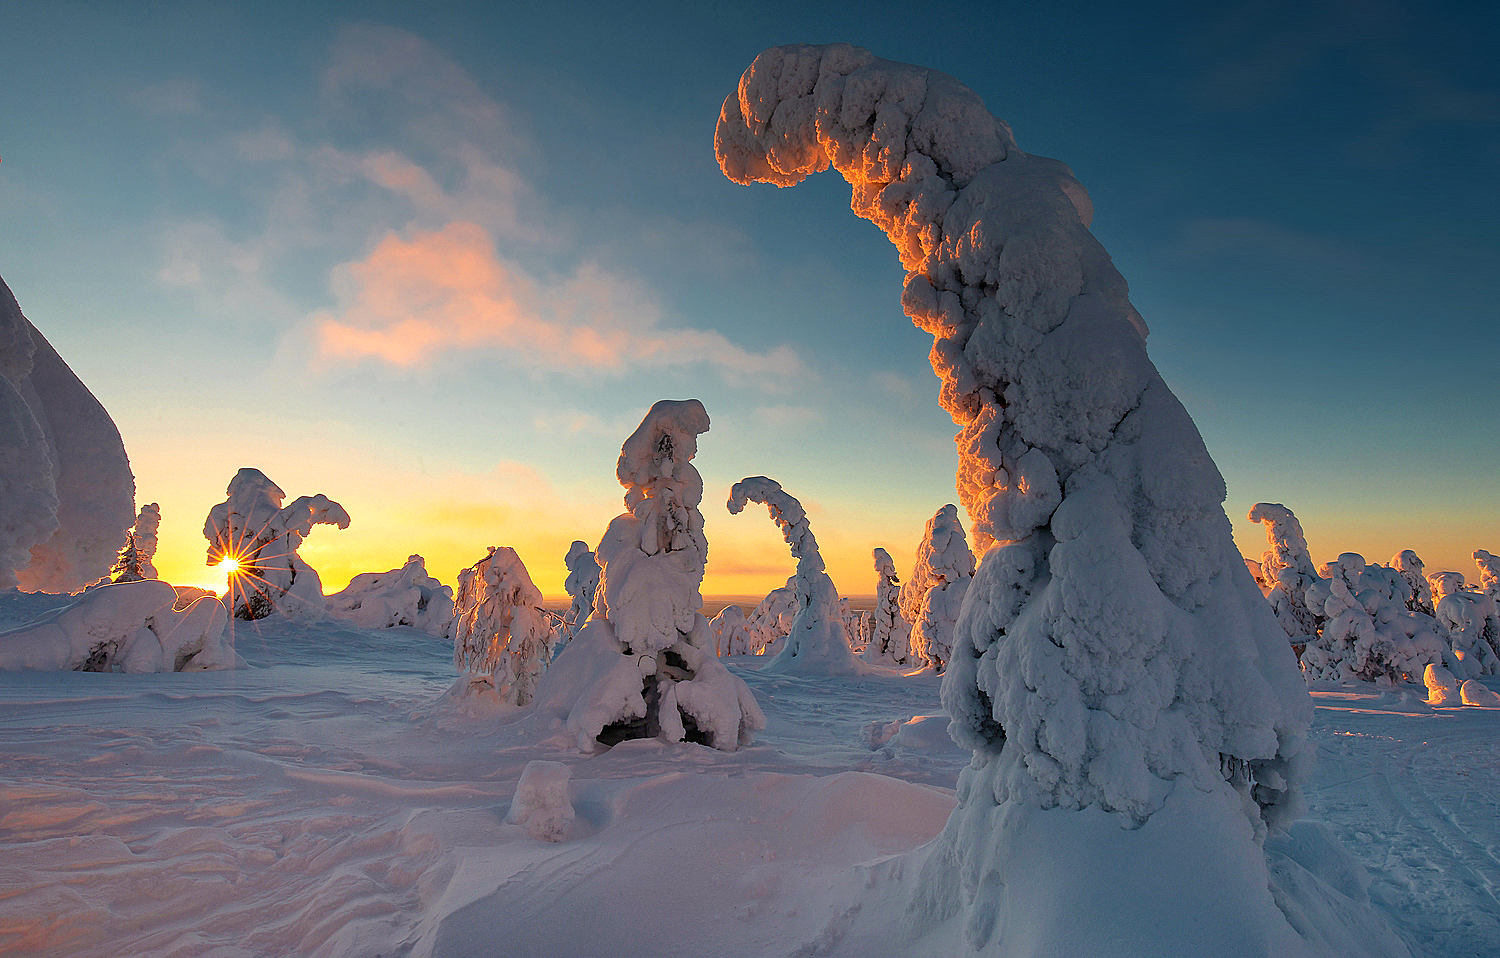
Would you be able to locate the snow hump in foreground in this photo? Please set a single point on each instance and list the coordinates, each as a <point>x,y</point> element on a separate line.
<point>68,491</point>
<point>1128,695</point>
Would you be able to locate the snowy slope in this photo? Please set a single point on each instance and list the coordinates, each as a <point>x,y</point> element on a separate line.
<point>328,801</point>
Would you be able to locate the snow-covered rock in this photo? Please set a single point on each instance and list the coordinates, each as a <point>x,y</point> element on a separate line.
<point>644,663</point>
<point>499,628</point>
<point>68,490</point>
<point>253,528</point>
<point>581,584</point>
<point>541,804</point>
<point>890,631</point>
<point>817,642</point>
<point>1129,696</point>
<point>931,598</point>
<point>404,596</point>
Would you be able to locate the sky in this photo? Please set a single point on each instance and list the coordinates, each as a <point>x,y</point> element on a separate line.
<point>436,261</point>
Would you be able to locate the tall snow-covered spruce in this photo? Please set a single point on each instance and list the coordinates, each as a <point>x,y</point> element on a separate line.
<point>891,633</point>
<point>931,598</point>
<point>644,663</point>
<point>500,633</point>
<point>581,584</point>
<point>817,642</point>
<point>1134,709</point>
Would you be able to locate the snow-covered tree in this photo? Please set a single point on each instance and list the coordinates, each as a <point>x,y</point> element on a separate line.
<point>500,632</point>
<point>1418,593</point>
<point>644,665</point>
<point>405,596</point>
<point>252,528</point>
<point>1489,573</point>
<point>771,619</point>
<point>817,642</point>
<point>66,492</point>
<point>858,626</point>
<point>1117,673</point>
<point>1471,622</point>
<point>581,584</point>
<point>1368,633</point>
<point>1289,569</point>
<point>931,598</point>
<point>732,633</point>
<point>890,632</point>
<point>134,561</point>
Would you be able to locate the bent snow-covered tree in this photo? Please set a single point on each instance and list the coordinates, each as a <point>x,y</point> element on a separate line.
<point>1115,669</point>
<point>500,632</point>
<point>817,642</point>
<point>252,528</point>
<point>931,598</point>
<point>644,664</point>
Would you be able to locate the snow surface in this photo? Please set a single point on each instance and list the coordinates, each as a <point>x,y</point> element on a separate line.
<point>324,802</point>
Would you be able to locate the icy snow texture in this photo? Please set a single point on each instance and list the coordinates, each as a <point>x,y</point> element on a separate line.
<point>404,596</point>
<point>891,632</point>
<point>1114,662</point>
<point>124,627</point>
<point>66,491</point>
<point>931,598</point>
<point>1288,569</point>
<point>541,804</point>
<point>581,584</point>
<point>499,628</point>
<point>817,642</point>
<point>644,664</point>
<point>252,526</point>
<point>134,561</point>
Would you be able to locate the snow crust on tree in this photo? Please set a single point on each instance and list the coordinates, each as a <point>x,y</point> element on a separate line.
<point>1442,686</point>
<point>499,629</point>
<point>405,596</point>
<point>134,561</point>
<point>1418,594</point>
<point>1115,669</point>
<point>644,664</point>
<point>732,633</point>
<point>68,490</point>
<point>1489,573</point>
<point>1288,568</point>
<point>253,527</point>
<point>890,631</point>
<point>123,627</point>
<point>858,627</point>
<point>1368,633</point>
<point>581,584</point>
<point>817,642</point>
<point>1472,623</point>
<point>771,619</point>
<point>931,598</point>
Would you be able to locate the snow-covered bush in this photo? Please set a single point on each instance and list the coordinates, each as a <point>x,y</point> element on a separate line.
<point>252,528</point>
<point>581,584</point>
<point>134,561</point>
<point>1368,633</point>
<point>123,627</point>
<point>890,632</point>
<point>1288,569</point>
<point>858,626</point>
<point>404,596</point>
<point>931,598</point>
<point>732,633</point>
<point>1471,621</point>
<point>542,804</point>
<point>1489,573</point>
<point>500,632</point>
<point>1119,676</point>
<point>68,494</point>
<point>817,642</point>
<point>1418,592</point>
<point>771,619</point>
<point>643,665</point>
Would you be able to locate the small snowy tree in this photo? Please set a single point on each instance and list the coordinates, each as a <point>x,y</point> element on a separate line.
<point>858,626</point>
<point>134,561</point>
<point>581,584</point>
<point>644,665</point>
<point>817,642</point>
<point>732,633</point>
<point>500,633</point>
<point>890,631</point>
<point>771,619</point>
<point>252,528</point>
<point>1289,569</point>
<point>1489,573</point>
<point>931,598</point>
<point>406,596</point>
<point>1471,622</point>
<point>1418,592</point>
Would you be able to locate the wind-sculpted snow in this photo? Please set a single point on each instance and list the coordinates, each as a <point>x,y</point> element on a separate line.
<point>817,642</point>
<point>1114,660</point>
<point>68,491</point>
<point>499,628</point>
<point>931,598</point>
<point>644,664</point>
<point>405,596</point>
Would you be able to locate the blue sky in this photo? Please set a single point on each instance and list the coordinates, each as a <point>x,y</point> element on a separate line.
<point>196,197</point>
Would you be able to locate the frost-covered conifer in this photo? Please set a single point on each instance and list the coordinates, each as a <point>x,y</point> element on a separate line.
<point>732,633</point>
<point>1489,573</point>
<point>405,596</point>
<point>1471,622</point>
<point>817,642</point>
<point>890,632</point>
<point>581,584</point>
<point>643,665</point>
<point>253,528</point>
<point>771,619</point>
<point>499,628</point>
<point>858,626</point>
<point>134,561</point>
<point>1289,570</point>
<point>1418,592</point>
<point>931,598</point>
<point>1368,634</point>
<point>1120,678</point>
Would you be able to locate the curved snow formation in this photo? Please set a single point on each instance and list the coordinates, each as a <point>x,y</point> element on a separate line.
<point>405,596</point>
<point>817,642</point>
<point>1115,668</point>
<point>931,598</point>
<point>68,493</point>
<point>1289,568</point>
<point>644,664</point>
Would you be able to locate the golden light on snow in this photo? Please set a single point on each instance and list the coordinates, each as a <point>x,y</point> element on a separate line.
<point>228,565</point>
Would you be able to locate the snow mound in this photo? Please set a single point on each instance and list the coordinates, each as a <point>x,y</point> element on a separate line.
<point>404,596</point>
<point>1473,692</point>
<point>541,804</point>
<point>1442,687</point>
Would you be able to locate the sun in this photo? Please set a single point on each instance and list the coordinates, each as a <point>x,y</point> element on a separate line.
<point>228,565</point>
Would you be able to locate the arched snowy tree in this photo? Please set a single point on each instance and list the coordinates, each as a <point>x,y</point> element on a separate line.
<point>1129,697</point>
<point>940,577</point>
<point>1289,569</point>
<point>500,632</point>
<point>817,642</point>
<point>134,561</point>
<point>252,528</point>
<point>643,665</point>
<point>581,584</point>
<point>890,632</point>
<point>405,596</point>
